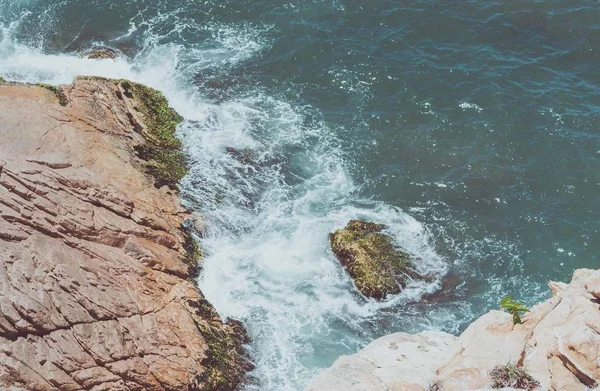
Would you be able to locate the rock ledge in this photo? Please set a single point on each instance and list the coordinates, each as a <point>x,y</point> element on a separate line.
<point>558,344</point>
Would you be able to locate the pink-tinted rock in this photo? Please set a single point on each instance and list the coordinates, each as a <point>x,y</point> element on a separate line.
<point>94,293</point>
<point>395,362</point>
<point>558,344</point>
<point>592,284</point>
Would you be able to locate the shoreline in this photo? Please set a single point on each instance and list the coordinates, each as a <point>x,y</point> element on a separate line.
<point>557,346</point>
<point>83,177</point>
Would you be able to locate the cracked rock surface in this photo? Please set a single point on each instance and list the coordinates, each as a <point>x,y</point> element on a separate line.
<point>558,344</point>
<point>94,294</point>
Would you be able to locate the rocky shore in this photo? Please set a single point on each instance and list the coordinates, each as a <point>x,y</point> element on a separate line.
<point>97,274</point>
<point>557,347</point>
<point>97,269</point>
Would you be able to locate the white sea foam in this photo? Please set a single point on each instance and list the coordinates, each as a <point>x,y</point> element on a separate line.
<point>470,106</point>
<point>268,216</point>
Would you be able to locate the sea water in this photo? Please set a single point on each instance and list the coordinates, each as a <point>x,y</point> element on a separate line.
<point>468,128</point>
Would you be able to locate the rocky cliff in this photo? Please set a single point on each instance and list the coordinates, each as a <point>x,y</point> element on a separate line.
<point>557,345</point>
<point>96,273</point>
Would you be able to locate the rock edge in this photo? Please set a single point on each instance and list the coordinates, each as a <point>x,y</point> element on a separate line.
<point>558,344</point>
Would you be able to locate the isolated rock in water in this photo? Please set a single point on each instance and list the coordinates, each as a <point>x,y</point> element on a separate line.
<point>558,345</point>
<point>96,274</point>
<point>377,266</point>
<point>242,156</point>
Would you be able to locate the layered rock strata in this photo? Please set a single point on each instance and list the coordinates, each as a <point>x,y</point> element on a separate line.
<point>96,273</point>
<point>558,345</point>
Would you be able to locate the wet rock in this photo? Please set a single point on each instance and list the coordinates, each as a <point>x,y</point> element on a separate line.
<point>375,263</point>
<point>448,291</point>
<point>242,156</point>
<point>101,53</point>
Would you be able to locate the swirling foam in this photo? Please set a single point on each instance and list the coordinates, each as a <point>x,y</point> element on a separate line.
<point>267,217</point>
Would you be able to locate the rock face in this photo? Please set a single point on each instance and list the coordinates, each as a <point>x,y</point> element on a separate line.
<point>558,344</point>
<point>395,362</point>
<point>96,274</point>
<point>376,265</point>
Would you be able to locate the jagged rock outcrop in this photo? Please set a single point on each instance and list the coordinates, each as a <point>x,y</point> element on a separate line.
<point>377,266</point>
<point>395,362</point>
<point>558,344</point>
<point>96,273</point>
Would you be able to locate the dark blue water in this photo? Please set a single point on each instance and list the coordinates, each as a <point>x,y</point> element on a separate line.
<point>471,128</point>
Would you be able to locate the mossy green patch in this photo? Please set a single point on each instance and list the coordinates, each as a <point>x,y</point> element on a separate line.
<point>3,81</point>
<point>162,149</point>
<point>226,361</point>
<point>377,266</point>
<point>193,253</point>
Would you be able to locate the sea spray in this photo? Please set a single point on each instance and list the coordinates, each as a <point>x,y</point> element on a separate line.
<point>271,181</point>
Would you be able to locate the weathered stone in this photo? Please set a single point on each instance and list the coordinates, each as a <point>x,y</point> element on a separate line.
<point>558,344</point>
<point>592,284</point>
<point>395,362</point>
<point>377,266</point>
<point>94,290</point>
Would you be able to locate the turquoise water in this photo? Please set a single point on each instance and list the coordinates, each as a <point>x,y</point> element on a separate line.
<point>469,127</point>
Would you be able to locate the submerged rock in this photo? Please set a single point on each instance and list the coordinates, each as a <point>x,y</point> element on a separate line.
<point>101,53</point>
<point>242,156</point>
<point>377,266</point>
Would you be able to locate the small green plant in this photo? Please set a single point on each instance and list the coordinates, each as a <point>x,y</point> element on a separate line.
<point>436,386</point>
<point>510,375</point>
<point>514,308</point>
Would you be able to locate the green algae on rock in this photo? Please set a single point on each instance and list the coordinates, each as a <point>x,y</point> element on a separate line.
<point>162,150</point>
<point>193,252</point>
<point>377,266</point>
<point>226,360</point>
